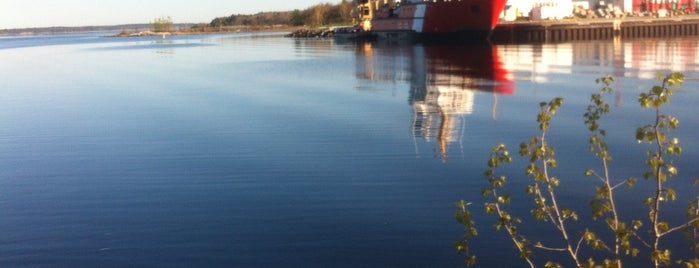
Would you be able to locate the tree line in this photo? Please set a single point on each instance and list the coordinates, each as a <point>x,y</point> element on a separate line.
<point>315,16</point>
<point>319,15</point>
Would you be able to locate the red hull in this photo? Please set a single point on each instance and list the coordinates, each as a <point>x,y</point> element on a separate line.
<point>439,17</point>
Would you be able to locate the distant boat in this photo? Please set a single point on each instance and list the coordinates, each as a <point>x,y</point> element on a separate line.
<point>472,20</point>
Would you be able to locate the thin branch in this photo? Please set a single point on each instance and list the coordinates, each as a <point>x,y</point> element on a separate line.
<point>577,248</point>
<point>620,184</point>
<point>640,239</point>
<point>598,176</point>
<point>677,228</point>
<point>540,246</point>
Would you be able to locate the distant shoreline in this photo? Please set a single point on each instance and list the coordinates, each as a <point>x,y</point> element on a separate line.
<point>210,30</point>
<point>57,30</point>
<point>128,30</point>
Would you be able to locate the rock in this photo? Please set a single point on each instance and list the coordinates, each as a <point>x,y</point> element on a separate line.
<point>311,33</point>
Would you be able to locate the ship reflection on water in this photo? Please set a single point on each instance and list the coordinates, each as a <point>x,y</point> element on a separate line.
<point>444,81</point>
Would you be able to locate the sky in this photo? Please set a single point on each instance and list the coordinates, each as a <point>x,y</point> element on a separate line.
<point>47,13</point>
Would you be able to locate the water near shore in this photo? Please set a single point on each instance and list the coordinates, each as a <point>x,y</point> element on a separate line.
<point>255,150</point>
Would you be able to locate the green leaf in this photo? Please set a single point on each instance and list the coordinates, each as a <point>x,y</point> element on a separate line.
<point>589,236</point>
<point>492,163</point>
<point>663,227</point>
<point>634,252</point>
<point>553,163</point>
<point>677,151</point>
<point>531,189</point>
<point>672,170</point>
<point>671,195</point>
<point>489,209</point>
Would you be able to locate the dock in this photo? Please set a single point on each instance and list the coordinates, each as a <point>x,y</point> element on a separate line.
<point>565,30</point>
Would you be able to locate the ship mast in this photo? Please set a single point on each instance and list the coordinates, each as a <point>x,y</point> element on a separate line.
<point>365,11</point>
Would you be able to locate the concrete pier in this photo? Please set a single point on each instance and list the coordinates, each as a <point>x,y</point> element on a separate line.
<point>551,31</point>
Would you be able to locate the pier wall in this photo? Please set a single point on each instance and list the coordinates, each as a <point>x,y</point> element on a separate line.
<point>594,29</point>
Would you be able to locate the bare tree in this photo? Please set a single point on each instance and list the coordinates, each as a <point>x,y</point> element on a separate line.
<point>162,24</point>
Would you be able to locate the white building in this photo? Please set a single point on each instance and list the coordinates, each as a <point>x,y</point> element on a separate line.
<point>557,9</point>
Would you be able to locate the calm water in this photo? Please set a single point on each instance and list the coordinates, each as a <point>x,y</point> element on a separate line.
<point>263,151</point>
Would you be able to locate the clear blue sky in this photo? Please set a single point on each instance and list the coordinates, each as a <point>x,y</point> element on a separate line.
<point>45,13</point>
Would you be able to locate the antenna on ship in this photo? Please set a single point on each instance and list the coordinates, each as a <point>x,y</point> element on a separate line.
<point>355,12</point>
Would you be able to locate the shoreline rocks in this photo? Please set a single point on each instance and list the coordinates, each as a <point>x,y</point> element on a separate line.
<point>311,33</point>
<point>143,33</point>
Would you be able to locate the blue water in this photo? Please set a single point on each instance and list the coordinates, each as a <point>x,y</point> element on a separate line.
<point>257,150</point>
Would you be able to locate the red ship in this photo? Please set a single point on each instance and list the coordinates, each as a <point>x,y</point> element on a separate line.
<point>464,19</point>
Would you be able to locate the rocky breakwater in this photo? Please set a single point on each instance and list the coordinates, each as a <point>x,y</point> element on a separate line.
<point>311,33</point>
<point>143,33</point>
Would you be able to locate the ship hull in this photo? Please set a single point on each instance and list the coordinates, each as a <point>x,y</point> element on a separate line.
<point>461,36</point>
<point>463,19</point>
